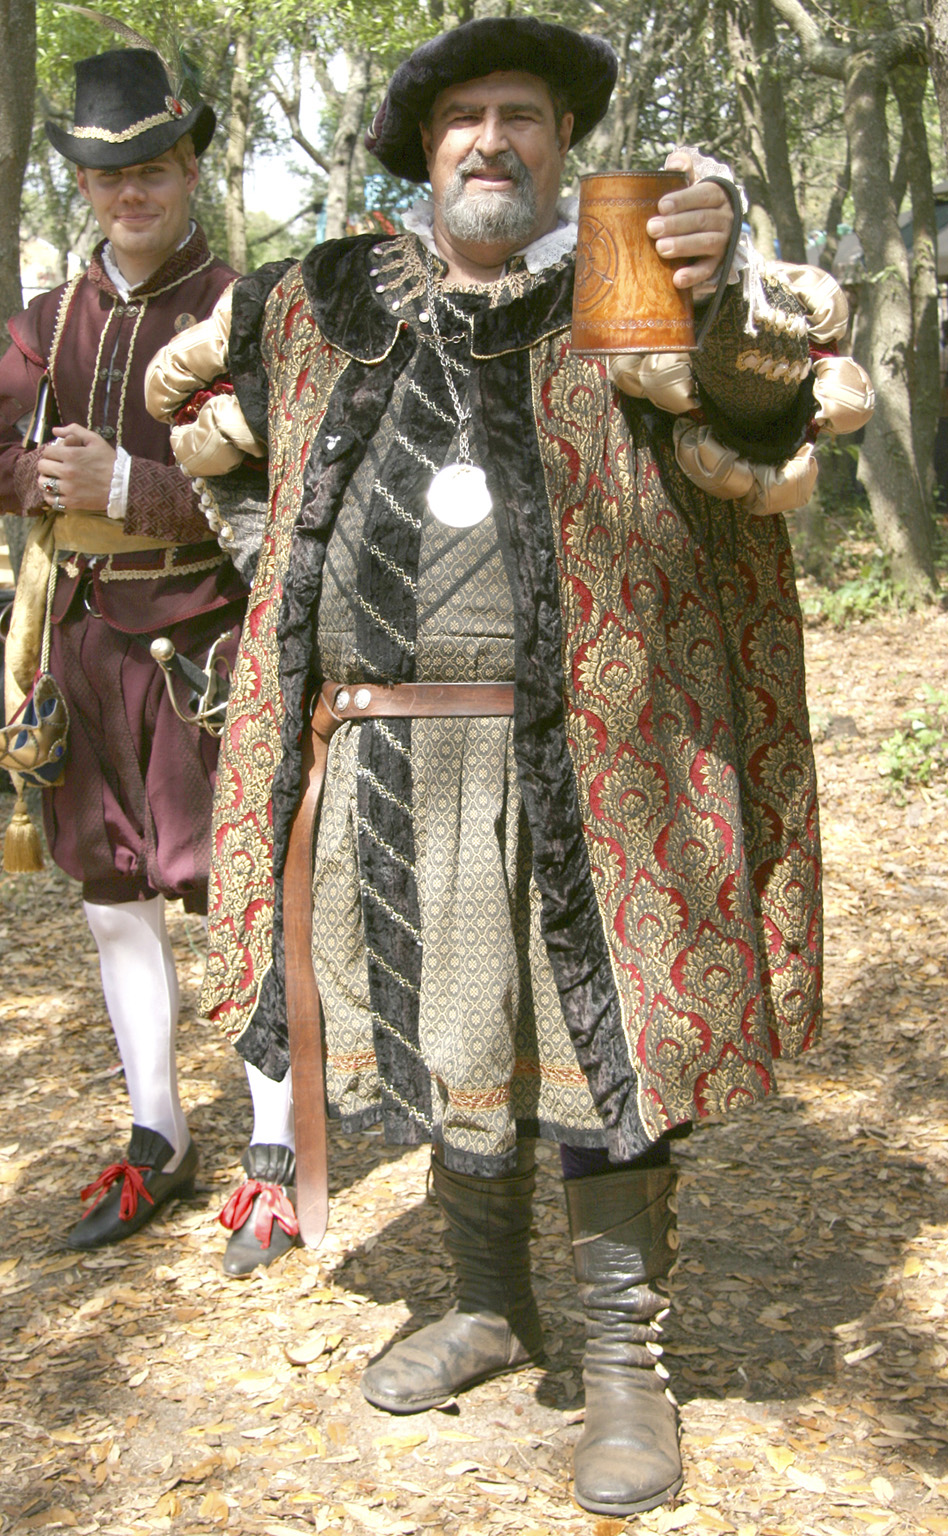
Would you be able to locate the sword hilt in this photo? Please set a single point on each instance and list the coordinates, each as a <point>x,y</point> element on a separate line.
<point>210,688</point>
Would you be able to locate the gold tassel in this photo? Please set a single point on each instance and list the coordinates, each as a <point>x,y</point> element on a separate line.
<point>22,849</point>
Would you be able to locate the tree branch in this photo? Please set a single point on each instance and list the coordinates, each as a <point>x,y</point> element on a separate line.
<point>902,43</point>
<point>290,103</point>
<point>823,57</point>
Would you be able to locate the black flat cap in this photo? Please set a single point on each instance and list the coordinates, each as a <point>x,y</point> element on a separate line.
<point>580,67</point>
<point>126,112</point>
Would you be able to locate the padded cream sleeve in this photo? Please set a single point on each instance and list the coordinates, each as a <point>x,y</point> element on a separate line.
<point>218,438</point>
<point>844,396</point>
<point>191,360</point>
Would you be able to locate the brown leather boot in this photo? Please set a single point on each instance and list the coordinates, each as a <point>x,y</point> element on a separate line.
<point>625,1239</point>
<point>494,1325</point>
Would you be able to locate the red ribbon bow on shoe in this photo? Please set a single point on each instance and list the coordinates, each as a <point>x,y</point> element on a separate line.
<point>273,1206</point>
<point>133,1186</point>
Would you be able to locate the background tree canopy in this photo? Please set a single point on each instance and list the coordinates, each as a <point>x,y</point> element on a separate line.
<point>827,112</point>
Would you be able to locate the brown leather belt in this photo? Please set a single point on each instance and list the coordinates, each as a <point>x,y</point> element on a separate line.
<point>332,707</point>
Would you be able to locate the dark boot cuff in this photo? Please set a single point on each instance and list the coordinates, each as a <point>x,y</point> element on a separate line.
<point>271,1163</point>
<point>148,1148</point>
<point>518,1183</point>
<point>604,1201</point>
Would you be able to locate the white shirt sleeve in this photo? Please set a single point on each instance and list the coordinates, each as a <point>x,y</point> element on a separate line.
<point>118,491</point>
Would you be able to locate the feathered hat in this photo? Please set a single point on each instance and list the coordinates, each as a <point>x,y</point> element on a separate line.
<point>127,112</point>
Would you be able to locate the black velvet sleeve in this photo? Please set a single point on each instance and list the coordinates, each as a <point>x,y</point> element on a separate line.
<point>246,366</point>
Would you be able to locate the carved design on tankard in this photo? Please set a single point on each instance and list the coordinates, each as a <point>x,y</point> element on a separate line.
<point>597,262</point>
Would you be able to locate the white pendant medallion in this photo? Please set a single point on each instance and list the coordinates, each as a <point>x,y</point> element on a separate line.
<point>458,495</point>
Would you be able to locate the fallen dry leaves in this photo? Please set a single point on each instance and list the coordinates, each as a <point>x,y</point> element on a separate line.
<point>142,1392</point>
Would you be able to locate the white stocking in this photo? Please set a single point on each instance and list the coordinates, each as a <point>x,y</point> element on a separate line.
<point>141,994</point>
<point>272,1109</point>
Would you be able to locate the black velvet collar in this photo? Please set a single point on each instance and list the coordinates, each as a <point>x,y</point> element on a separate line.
<point>345,305</point>
<point>351,317</point>
<point>544,311</point>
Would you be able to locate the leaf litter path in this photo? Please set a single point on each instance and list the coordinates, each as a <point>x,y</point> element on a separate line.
<point>142,1392</point>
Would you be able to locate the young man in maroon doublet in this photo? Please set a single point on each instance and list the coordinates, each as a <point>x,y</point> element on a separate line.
<point>133,559</point>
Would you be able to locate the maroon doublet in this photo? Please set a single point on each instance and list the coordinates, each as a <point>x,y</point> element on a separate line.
<point>132,818</point>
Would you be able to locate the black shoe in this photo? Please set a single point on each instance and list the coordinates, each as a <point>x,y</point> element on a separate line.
<point>132,1192</point>
<point>260,1215</point>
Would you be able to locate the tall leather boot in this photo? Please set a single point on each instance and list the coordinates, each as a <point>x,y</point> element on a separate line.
<point>625,1238</point>
<point>494,1325</point>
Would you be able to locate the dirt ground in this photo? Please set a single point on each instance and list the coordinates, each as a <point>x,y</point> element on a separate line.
<point>143,1392</point>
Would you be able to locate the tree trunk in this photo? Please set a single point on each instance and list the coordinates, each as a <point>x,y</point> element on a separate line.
<point>937,19</point>
<point>237,149</point>
<point>766,169</point>
<point>887,464</point>
<point>773,117</point>
<point>17,88</point>
<point>343,145</point>
<point>641,51</point>
<point>750,160</point>
<point>883,339</point>
<point>763,232</point>
<point>834,214</point>
<point>908,83</point>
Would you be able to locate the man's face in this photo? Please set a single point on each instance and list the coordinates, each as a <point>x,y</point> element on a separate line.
<point>142,209</point>
<point>495,159</point>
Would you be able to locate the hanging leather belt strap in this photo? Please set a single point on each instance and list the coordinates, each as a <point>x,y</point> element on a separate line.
<point>334,704</point>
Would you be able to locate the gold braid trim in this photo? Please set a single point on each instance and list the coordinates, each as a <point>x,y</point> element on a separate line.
<point>106,571</point>
<point>62,314</point>
<point>95,371</point>
<point>127,370</point>
<point>144,298</point>
<point>109,136</point>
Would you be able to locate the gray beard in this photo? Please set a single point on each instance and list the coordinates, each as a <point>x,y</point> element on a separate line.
<point>485,217</point>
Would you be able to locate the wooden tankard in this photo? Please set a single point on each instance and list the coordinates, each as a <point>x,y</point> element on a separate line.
<point>624,299</point>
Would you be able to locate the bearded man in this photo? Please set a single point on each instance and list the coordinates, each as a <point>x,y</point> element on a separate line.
<point>596,920</point>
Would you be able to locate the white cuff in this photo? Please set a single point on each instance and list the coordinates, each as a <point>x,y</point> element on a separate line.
<point>118,491</point>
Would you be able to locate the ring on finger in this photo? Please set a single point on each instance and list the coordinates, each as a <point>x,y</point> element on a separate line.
<point>52,486</point>
<point>58,505</point>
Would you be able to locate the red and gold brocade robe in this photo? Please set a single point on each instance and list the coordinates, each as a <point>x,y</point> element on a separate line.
<point>661,737</point>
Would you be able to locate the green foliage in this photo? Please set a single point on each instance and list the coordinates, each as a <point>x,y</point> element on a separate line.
<point>918,754</point>
<point>66,33</point>
<point>862,596</point>
<point>389,30</point>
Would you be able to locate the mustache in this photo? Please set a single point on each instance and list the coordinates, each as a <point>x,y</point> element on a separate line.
<point>507,160</point>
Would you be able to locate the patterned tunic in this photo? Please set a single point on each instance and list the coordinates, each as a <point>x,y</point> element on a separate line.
<point>491,1032</point>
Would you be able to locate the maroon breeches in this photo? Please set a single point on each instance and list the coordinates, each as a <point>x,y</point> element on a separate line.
<point>133,817</point>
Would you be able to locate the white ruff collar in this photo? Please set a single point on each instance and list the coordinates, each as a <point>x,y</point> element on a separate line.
<point>545,252</point>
